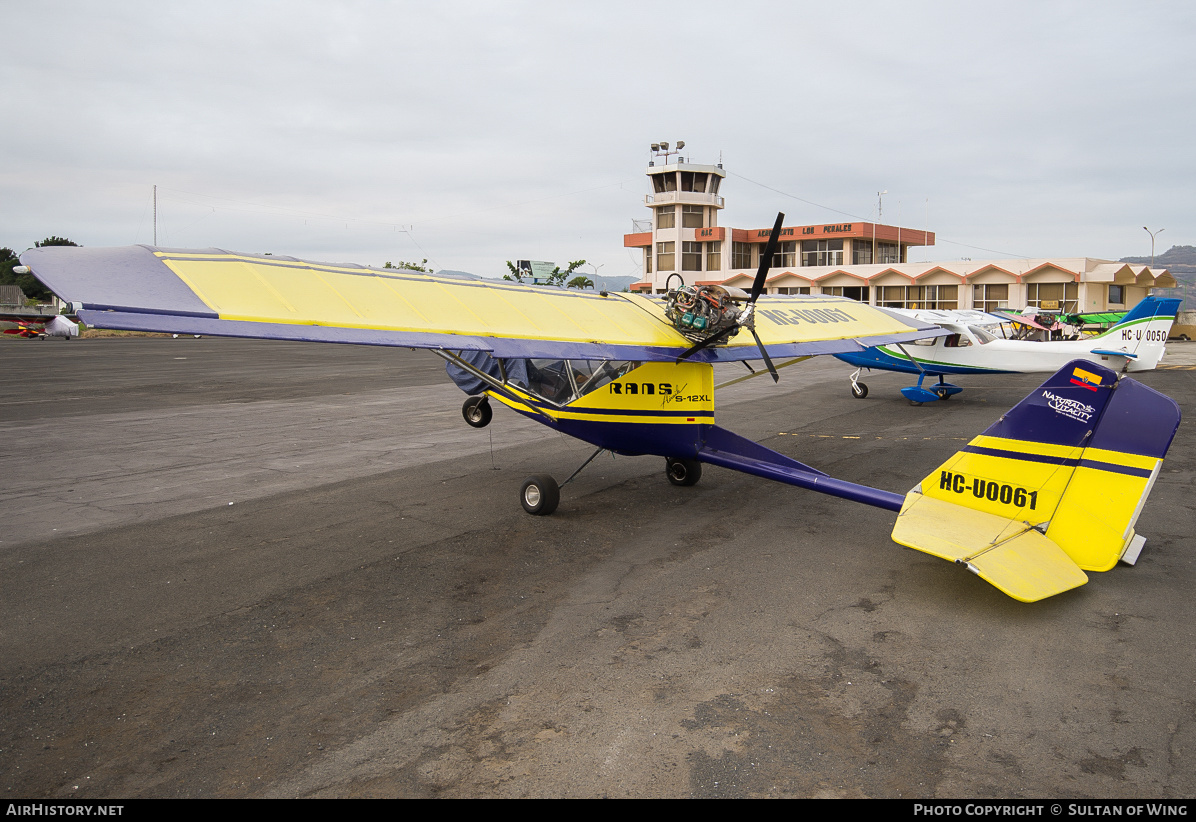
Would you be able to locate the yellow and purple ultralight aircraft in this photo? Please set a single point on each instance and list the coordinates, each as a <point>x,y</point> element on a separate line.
<point>1051,490</point>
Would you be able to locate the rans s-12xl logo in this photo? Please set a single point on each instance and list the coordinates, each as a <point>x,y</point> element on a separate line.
<point>631,388</point>
<point>665,390</point>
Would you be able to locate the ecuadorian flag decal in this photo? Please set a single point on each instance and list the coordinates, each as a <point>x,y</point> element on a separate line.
<point>1052,489</point>
<point>1085,379</point>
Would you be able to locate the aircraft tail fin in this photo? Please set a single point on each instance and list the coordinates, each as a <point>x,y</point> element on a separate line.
<point>1142,333</point>
<point>1052,489</point>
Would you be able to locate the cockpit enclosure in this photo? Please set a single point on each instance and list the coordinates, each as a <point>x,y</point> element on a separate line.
<point>560,382</point>
<point>982,335</point>
<point>964,336</point>
<point>563,381</point>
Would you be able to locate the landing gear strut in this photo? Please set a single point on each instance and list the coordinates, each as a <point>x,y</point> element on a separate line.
<point>541,494</point>
<point>917,395</point>
<point>858,389</point>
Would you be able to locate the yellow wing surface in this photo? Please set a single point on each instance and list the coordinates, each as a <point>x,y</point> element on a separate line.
<point>223,293</point>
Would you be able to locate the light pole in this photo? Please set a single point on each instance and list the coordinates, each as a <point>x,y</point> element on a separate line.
<point>879,211</point>
<point>1152,236</point>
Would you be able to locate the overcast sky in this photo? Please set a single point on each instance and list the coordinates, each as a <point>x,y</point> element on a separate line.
<point>473,133</point>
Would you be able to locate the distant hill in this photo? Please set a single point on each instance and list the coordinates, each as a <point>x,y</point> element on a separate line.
<point>1180,260</point>
<point>1182,255</point>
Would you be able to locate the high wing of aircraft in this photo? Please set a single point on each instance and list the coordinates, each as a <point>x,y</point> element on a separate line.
<point>1137,343</point>
<point>38,326</point>
<point>634,376</point>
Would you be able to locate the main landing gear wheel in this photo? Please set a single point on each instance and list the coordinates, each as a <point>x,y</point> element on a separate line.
<point>540,495</point>
<point>477,411</point>
<point>859,390</point>
<point>943,393</point>
<point>683,472</point>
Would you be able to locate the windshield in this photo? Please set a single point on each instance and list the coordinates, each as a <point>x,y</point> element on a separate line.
<point>563,381</point>
<point>981,335</point>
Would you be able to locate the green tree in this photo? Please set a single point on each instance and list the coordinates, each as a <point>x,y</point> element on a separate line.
<point>581,282</point>
<point>559,278</point>
<point>406,266</point>
<point>32,287</point>
<point>556,277</point>
<point>515,276</point>
<point>55,241</point>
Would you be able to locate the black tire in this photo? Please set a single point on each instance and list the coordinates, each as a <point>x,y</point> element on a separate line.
<point>944,394</point>
<point>540,495</point>
<point>859,390</point>
<point>915,403</point>
<point>683,472</point>
<point>477,411</point>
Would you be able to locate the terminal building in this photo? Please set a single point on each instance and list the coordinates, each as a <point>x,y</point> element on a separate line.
<point>861,260</point>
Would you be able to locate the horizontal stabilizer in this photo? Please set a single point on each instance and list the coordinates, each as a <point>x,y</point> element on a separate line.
<point>1014,558</point>
<point>1052,489</point>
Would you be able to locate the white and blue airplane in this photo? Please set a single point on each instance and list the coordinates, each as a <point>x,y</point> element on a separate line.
<point>1137,343</point>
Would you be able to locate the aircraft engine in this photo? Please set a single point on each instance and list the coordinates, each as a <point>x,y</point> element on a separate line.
<point>698,311</point>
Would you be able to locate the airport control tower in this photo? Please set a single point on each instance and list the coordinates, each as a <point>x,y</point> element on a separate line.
<point>683,241</point>
<point>684,235</point>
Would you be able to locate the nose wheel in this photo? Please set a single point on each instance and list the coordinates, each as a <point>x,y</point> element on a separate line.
<point>858,389</point>
<point>477,411</point>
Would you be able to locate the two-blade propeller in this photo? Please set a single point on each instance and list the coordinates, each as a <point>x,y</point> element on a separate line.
<point>747,318</point>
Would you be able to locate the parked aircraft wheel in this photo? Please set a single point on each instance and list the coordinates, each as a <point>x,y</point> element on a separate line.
<point>915,403</point>
<point>683,472</point>
<point>943,393</point>
<point>540,495</point>
<point>477,411</point>
<point>859,390</point>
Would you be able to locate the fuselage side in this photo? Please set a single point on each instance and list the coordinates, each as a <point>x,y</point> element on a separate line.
<point>969,350</point>
<point>655,408</point>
